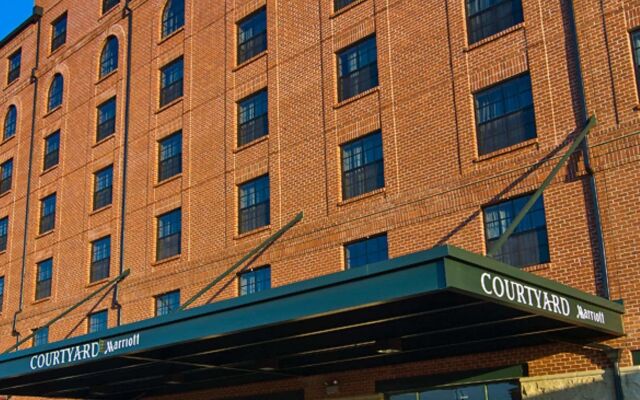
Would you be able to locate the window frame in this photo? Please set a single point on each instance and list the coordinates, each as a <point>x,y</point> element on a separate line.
<point>44,286</point>
<point>6,182</point>
<point>257,122</point>
<point>13,71</point>
<point>108,5</point>
<point>166,90</point>
<point>38,339</point>
<point>158,307</point>
<point>170,166</point>
<point>242,56</point>
<point>365,241</point>
<point>177,21</point>
<point>104,325</point>
<point>58,40</point>
<point>4,234</point>
<point>355,74</point>
<point>51,158</point>
<point>10,125</point>
<point>109,57</point>
<point>50,226</point>
<point>58,95</point>
<point>635,54</point>
<point>174,238</point>
<point>254,207</point>
<point>106,128</point>
<point>377,165</point>
<point>253,287</point>
<point>518,19</point>
<point>100,268</point>
<point>2,289</point>
<point>98,202</point>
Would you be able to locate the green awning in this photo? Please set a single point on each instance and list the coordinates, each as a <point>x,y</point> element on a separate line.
<point>431,304</point>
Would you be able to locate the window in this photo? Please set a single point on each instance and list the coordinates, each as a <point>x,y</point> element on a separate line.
<point>98,321</point>
<point>486,391</point>
<point>172,17</point>
<point>170,156</point>
<point>167,303</point>
<point>357,68</point>
<point>47,213</point>
<point>1,292</point>
<point>487,17</point>
<point>169,234</point>
<point>252,35</point>
<point>51,150</point>
<point>253,121</point>
<point>100,259</point>
<point>635,355</point>
<point>41,336</point>
<point>59,32</point>
<point>366,251</point>
<point>172,76</point>
<point>43,279</point>
<point>106,119</point>
<point>362,166</point>
<point>528,245</point>
<point>55,93</point>
<point>254,204</point>
<point>103,187</point>
<point>4,233</point>
<point>635,43</point>
<point>254,280</point>
<point>10,122</point>
<point>109,56</point>
<point>108,5</point>
<point>504,114</point>
<point>340,4</point>
<point>14,66</point>
<point>6,174</point>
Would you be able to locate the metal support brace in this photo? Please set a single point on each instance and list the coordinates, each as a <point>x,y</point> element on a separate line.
<point>247,256</point>
<point>109,284</point>
<point>514,224</point>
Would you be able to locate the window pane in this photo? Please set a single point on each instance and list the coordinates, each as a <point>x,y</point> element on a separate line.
<point>366,251</point>
<point>6,176</point>
<point>109,57</point>
<point>253,120</point>
<point>169,234</point>
<point>41,336</point>
<point>103,190</point>
<point>59,32</point>
<point>55,92</point>
<point>252,35</point>
<point>167,303</point>
<point>47,213</point>
<point>357,68</point>
<point>100,259</point>
<point>4,233</point>
<point>106,119</point>
<point>171,81</point>
<point>255,280</point>
<point>488,17</point>
<point>338,4</point>
<point>51,150</point>
<point>108,5</point>
<point>504,391</point>
<point>170,156</point>
<point>1,292</point>
<point>173,17</point>
<point>98,321</point>
<point>459,393</point>
<point>362,166</point>
<point>10,122</point>
<point>43,279</point>
<point>253,203</point>
<point>14,66</point>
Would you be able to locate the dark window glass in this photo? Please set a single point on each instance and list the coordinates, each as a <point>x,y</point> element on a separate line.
<point>172,17</point>
<point>6,175</point>
<point>47,213</point>
<point>362,166</point>
<point>252,35</point>
<point>504,114</point>
<point>109,56</point>
<point>14,66</point>
<point>100,258</point>
<point>170,156</point>
<point>43,279</point>
<point>1,292</point>
<point>10,122</point>
<point>59,32</point>
<point>4,233</point>
<point>528,245</point>
<point>487,17</point>
<point>108,5</point>
<point>55,92</point>
<point>167,303</point>
<point>254,204</point>
<point>169,234</point>
<point>253,121</point>
<point>103,188</point>
<point>41,336</point>
<point>255,280</point>
<point>338,4</point>
<point>172,76</point>
<point>98,321</point>
<point>635,43</point>
<point>366,251</point>
<point>636,357</point>
<point>488,391</point>
<point>106,119</point>
<point>51,150</point>
<point>357,68</point>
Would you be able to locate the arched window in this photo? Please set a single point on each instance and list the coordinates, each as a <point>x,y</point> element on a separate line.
<point>55,92</point>
<point>10,122</point>
<point>109,56</point>
<point>172,17</point>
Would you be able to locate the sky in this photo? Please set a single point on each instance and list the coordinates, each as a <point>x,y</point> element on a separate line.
<point>12,14</point>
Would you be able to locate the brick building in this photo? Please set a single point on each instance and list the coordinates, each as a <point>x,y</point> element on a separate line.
<point>149,146</point>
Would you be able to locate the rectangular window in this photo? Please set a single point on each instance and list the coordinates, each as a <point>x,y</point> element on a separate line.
<point>6,176</point>
<point>15,60</point>
<point>488,17</point>
<point>51,150</point>
<point>170,156</point>
<point>108,5</point>
<point>106,119</point>
<point>635,355</point>
<point>528,245</point>
<point>59,32</point>
<point>340,4</point>
<point>366,251</point>
<point>635,44</point>
<point>253,121</point>
<point>4,233</point>
<point>504,114</point>
<point>103,187</point>
<point>47,213</point>
<point>98,321</point>
<point>166,303</point>
<point>43,279</point>
<point>252,35</point>
<point>41,336</point>
<point>253,200</point>
<point>169,234</point>
<point>362,165</point>
<point>254,280</point>
<point>357,68</point>
<point>100,259</point>
<point>1,292</point>
<point>171,79</point>
<point>486,391</point>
